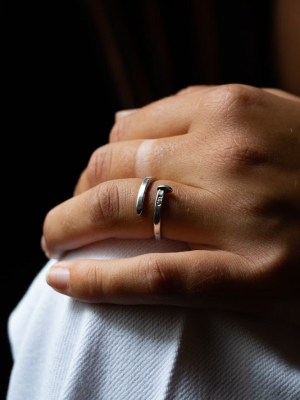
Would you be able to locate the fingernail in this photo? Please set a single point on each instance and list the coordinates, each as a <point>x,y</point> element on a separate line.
<point>124,113</point>
<point>44,247</point>
<point>58,278</point>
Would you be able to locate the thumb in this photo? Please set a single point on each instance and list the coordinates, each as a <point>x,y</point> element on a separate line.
<point>200,278</point>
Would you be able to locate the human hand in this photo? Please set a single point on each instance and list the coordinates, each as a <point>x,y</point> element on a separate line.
<point>232,156</point>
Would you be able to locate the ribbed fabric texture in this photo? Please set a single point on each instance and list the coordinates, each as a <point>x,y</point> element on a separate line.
<point>68,350</point>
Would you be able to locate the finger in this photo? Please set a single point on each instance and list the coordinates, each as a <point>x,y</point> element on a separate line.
<point>115,161</point>
<point>124,113</point>
<point>109,211</point>
<point>83,183</point>
<point>205,279</point>
<point>282,93</point>
<point>191,89</point>
<point>137,159</point>
<point>170,116</point>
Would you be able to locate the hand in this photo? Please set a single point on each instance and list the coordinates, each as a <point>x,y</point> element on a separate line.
<point>232,156</point>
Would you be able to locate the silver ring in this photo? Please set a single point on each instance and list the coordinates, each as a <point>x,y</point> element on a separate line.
<point>141,194</point>
<point>161,190</point>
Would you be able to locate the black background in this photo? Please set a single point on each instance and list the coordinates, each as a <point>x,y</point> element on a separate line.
<point>58,106</point>
<point>52,119</point>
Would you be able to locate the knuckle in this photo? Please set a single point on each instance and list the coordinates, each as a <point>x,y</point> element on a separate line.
<point>234,98</point>
<point>46,227</point>
<point>119,129</point>
<point>232,148</point>
<point>239,96</point>
<point>161,106</point>
<point>236,154</point>
<point>188,89</point>
<point>48,231</point>
<point>98,168</point>
<point>77,189</point>
<point>105,207</point>
<point>93,284</point>
<point>280,210</point>
<point>158,277</point>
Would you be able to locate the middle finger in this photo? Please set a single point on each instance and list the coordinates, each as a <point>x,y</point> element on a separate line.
<point>108,211</point>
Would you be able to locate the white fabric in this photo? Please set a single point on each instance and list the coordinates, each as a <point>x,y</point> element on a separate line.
<point>64,349</point>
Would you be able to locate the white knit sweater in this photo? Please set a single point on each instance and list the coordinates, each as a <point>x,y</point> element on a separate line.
<point>67,350</point>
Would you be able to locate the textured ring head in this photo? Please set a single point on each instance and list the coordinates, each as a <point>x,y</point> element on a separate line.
<point>161,191</point>
<point>165,188</point>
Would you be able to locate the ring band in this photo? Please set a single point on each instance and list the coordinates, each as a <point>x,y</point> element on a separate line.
<point>142,193</point>
<point>161,190</point>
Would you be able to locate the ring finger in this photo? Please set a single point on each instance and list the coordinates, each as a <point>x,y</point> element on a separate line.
<point>140,158</point>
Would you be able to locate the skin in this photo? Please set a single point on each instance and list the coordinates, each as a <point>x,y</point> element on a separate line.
<point>231,155</point>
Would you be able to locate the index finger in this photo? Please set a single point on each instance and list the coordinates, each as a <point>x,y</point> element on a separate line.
<point>170,116</point>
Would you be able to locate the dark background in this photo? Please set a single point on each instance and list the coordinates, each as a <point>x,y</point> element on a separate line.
<point>53,118</point>
<point>59,102</point>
